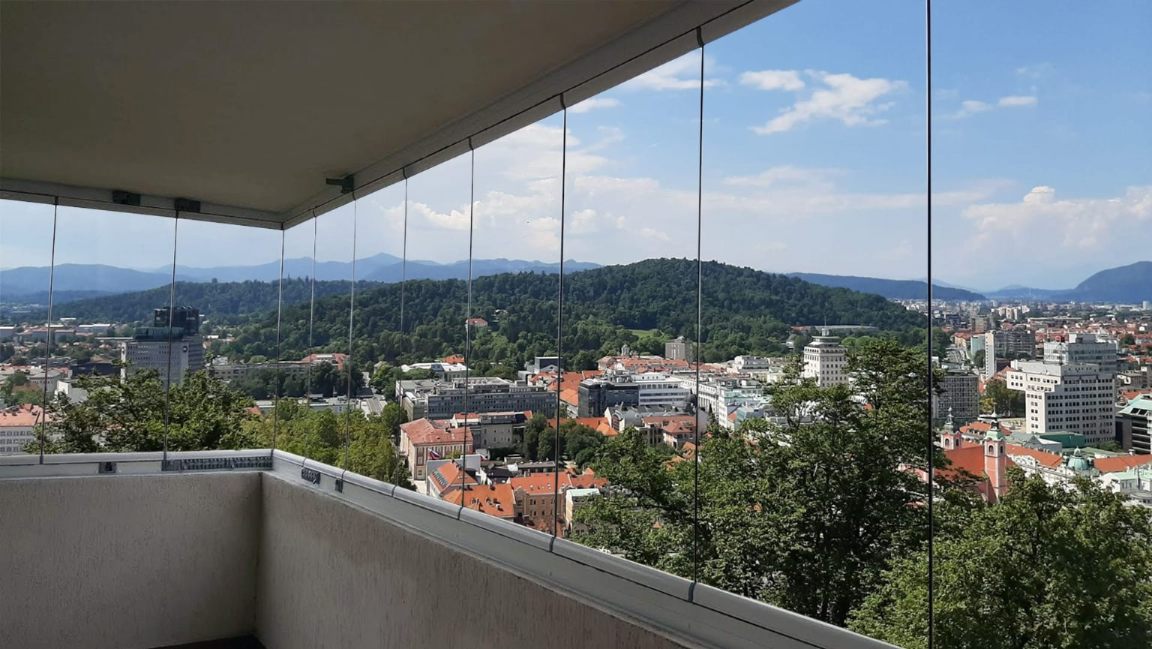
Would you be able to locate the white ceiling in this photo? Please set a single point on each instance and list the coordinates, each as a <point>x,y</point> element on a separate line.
<point>248,107</point>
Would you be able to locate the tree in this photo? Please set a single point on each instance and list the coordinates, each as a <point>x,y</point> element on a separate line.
<point>998,398</point>
<point>979,357</point>
<point>806,515</point>
<point>134,415</point>
<point>1046,567</point>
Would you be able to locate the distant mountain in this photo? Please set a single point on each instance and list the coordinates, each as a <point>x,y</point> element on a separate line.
<point>26,280</point>
<point>1124,284</point>
<point>29,284</point>
<point>1131,283</point>
<point>895,289</point>
<point>1017,292</point>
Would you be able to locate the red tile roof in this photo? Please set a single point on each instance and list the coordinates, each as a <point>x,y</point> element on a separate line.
<point>1117,464</point>
<point>22,416</point>
<point>425,431</point>
<point>494,500</point>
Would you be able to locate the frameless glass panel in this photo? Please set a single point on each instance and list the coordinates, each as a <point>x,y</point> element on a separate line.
<point>515,364</point>
<point>290,425</point>
<point>331,375</point>
<point>113,284</point>
<point>225,335</point>
<point>434,372</point>
<point>1042,169</point>
<point>28,368</point>
<point>630,305</point>
<point>377,342</point>
<point>814,383</point>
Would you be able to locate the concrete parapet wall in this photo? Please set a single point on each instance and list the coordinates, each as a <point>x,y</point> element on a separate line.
<point>332,575</point>
<point>128,561</point>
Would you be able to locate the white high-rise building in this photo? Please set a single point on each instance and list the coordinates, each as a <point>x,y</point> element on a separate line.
<point>187,356</point>
<point>826,360</point>
<point>1071,397</point>
<point>1084,348</point>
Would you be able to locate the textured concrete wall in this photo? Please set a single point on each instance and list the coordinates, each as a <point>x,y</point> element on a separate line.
<point>332,575</point>
<point>127,561</point>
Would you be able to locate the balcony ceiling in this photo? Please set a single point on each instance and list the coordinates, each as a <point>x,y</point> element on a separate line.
<point>247,107</point>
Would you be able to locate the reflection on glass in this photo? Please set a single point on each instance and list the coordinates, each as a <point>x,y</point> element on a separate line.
<point>30,364</point>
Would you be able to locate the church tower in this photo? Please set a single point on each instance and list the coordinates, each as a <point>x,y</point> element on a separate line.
<point>995,462</point>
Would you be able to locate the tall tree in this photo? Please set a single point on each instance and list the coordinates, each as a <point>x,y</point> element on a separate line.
<point>1046,568</point>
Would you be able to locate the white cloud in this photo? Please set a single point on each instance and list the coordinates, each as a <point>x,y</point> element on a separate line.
<point>1041,219</point>
<point>785,175</point>
<point>1013,101</point>
<point>1035,71</point>
<point>773,80</point>
<point>845,98</point>
<point>594,103</point>
<point>970,107</point>
<point>680,74</point>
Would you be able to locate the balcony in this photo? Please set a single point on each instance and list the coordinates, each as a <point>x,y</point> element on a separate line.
<point>129,550</point>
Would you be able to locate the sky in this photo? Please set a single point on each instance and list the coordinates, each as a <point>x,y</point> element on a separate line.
<point>813,160</point>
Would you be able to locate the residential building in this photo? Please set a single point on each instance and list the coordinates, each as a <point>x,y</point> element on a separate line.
<point>536,495</point>
<point>1003,345</point>
<point>483,394</point>
<point>425,440</point>
<point>574,499</point>
<point>493,429</point>
<point>598,394</point>
<point>171,347</point>
<point>826,360</point>
<point>960,396</point>
<point>18,427</point>
<point>1077,398</point>
<point>1134,425</point>
<point>679,350</point>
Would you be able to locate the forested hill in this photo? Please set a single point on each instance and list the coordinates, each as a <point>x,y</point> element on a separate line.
<point>744,312</point>
<point>217,301</point>
<point>896,289</point>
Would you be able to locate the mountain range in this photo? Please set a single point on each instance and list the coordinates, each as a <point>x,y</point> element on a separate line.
<point>1126,284</point>
<point>895,289</point>
<point>29,284</point>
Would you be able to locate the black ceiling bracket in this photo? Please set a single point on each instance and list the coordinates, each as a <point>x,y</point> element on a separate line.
<point>346,184</point>
<point>125,198</point>
<point>187,205</point>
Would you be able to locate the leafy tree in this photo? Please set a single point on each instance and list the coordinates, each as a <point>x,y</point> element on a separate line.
<point>1045,568</point>
<point>806,514</point>
<point>998,398</point>
<point>129,415</point>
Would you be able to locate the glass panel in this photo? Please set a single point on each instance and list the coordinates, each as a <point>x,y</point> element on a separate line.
<point>1042,155</point>
<point>332,376</point>
<point>27,368</point>
<point>814,386</point>
<point>433,386</point>
<point>630,310</point>
<point>290,425</point>
<point>222,365</point>
<point>113,282</point>
<point>377,343</point>
<point>513,328</point>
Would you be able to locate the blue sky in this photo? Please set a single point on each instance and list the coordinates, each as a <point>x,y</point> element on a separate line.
<point>814,159</point>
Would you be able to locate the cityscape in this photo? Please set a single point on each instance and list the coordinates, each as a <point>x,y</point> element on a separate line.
<point>716,327</point>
